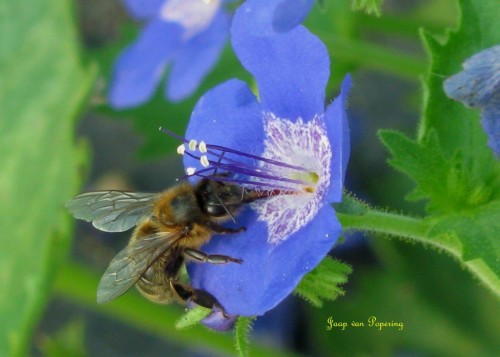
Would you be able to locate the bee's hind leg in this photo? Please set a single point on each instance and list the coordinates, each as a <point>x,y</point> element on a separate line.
<point>199,297</point>
<point>209,258</point>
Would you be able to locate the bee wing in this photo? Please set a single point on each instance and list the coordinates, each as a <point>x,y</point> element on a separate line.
<point>131,263</point>
<point>112,211</point>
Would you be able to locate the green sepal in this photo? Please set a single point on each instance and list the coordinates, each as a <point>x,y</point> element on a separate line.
<point>193,316</point>
<point>351,205</point>
<point>322,283</point>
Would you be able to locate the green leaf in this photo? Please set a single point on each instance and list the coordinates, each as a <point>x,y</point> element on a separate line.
<point>445,182</point>
<point>322,283</point>
<point>478,233</point>
<point>192,317</point>
<point>457,127</point>
<point>43,86</point>
<point>369,6</point>
<point>425,164</point>
<point>242,329</point>
<point>450,161</point>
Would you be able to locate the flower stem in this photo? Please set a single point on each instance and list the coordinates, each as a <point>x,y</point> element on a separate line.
<point>387,223</point>
<point>416,230</point>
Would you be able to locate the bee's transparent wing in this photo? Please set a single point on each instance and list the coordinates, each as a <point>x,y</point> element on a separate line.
<point>112,211</point>
<point>131,263</point>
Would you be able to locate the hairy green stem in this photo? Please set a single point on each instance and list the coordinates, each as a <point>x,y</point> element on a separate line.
<point>78,284</point>
<point>416,230</point>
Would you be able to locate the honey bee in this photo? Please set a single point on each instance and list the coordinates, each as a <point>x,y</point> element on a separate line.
<point>170,228</point>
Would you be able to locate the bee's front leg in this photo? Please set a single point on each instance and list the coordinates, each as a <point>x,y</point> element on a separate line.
<point>209,258</point>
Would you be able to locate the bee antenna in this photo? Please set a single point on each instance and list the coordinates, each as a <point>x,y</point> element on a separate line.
<point>172,134</point>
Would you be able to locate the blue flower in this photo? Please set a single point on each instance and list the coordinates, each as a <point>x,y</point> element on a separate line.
<point>188,35</point>
<point>478,86</point>
<point>283,143</point>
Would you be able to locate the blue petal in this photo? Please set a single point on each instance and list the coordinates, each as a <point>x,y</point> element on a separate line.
<point>290,13</point>
<point>291,69</point>
<point>479,82</point>
<point>268,273</point>
<point>143,9</point>
<point>196,58</point>
<point>140,67</point>
<point>227,115</point>
<point>338,133</point>
<point>267,17</point>
<point>491,124</point>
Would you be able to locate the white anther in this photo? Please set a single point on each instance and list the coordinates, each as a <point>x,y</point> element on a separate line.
<point>181,149</point>
<point>204,161</point>
<point>190,171</point>
<point>192,145</point>
<point>202,147</point>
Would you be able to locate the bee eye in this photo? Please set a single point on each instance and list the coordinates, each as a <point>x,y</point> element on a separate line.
<point>215,209</point>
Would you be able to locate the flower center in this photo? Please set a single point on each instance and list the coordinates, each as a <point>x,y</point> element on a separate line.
<point>194,15</point>
<point>305,144</point>
<point>292,174</point>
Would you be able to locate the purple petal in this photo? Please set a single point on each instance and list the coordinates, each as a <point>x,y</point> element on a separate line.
<point>143,9</point>
<point>269,272</point>
<point>491,124</point>
<point>140,67</point>
<point>291,69</point>
<point>227,115</point>
<point>218,321</point>
<point>196,58</point>
<point>266,17</point>
<point>479,82</point>
<point>338,133</point>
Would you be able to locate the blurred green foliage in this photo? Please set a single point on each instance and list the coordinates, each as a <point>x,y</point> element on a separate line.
<point>441,307</point>
<point>43,87</point>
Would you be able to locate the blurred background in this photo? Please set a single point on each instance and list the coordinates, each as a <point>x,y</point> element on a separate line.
<point>445,312</point>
